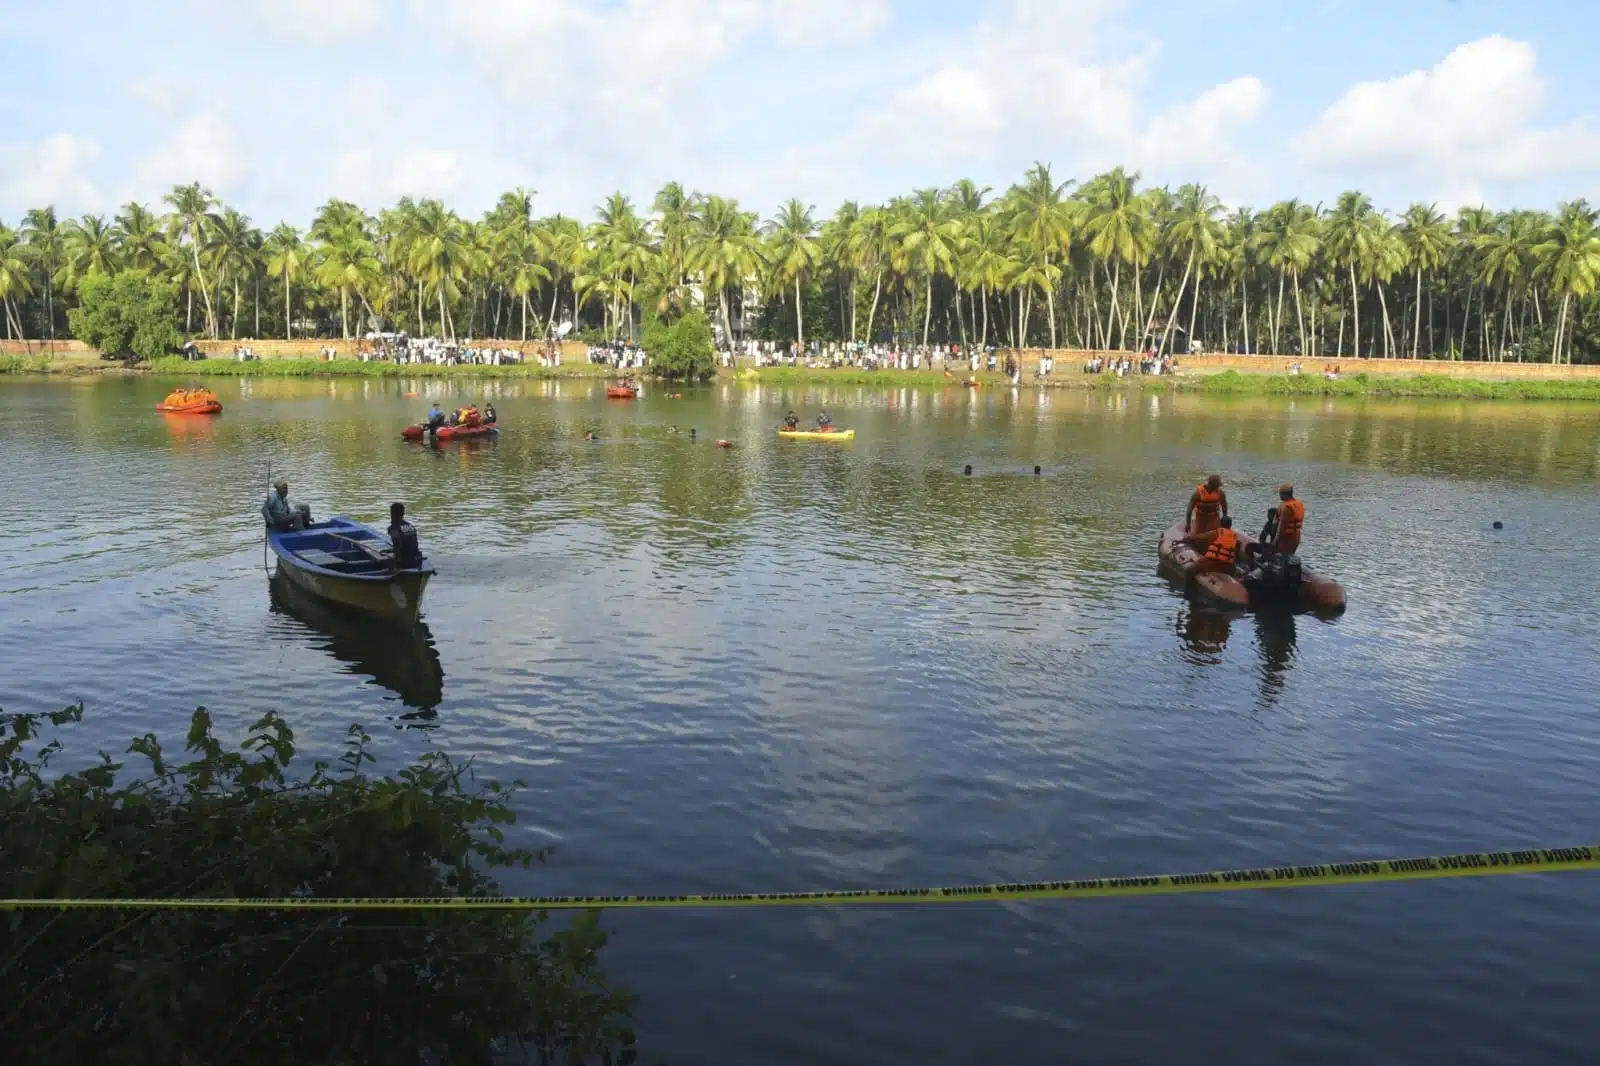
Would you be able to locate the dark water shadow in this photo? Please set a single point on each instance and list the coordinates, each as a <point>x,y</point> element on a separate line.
<point>1275,640</point>
<point>404,661</point>
<point>1204,632</point>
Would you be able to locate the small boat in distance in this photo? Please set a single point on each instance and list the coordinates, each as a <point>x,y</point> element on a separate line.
<point>351,565</point>
<point>622,392</point>
<point>190,402</point>
<point>816,434</point>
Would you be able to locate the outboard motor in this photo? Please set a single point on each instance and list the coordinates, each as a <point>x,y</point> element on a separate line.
<point>1275,581</point>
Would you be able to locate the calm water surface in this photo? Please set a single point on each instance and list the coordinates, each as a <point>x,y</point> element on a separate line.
<point>785,666</point>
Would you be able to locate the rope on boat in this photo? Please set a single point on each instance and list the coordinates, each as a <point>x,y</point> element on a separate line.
<point>1369,871</point>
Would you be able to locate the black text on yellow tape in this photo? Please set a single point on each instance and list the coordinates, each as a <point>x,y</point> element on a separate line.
<point>1472,864</point>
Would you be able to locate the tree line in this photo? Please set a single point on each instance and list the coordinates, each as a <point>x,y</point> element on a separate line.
<point>1102,264</point>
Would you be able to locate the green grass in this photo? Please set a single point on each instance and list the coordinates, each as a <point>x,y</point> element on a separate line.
<point>24,364</point>
<point>1233,383</point>
<point>355,368</point>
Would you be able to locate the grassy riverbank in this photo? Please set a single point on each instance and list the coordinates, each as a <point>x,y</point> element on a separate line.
<point>1233,383</point>
<point>355,368</point>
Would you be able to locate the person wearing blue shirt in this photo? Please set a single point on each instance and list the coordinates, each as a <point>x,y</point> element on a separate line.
<point>435,419</point>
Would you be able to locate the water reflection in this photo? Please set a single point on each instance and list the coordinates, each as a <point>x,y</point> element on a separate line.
<point>1204,632</point>
<point>1275,640</point>
<point>405,661</point>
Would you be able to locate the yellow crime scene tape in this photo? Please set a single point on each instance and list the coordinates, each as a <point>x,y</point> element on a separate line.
<point>1471,864</point>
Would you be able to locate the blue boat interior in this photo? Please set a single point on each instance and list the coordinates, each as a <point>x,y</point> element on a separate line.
<point>341,548</point>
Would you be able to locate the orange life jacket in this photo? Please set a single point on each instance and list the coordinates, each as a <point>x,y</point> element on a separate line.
<point>1224,547</point>
<point>1207,502</point>
<point>1291,516</point>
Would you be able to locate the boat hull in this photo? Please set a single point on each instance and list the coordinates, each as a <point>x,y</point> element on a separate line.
<point>622,394</point>
<point>210,407</point>
<point>451,432</point>
<point>810,434</point>
<point>393,596</point>
<point>1180,560</point>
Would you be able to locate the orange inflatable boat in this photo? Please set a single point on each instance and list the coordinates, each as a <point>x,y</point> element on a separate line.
<point>190,402</point>
<point>1280,582</point>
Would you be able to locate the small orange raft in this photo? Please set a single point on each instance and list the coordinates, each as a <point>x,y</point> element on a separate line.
<point>1281,583</point>
<point>621,392</point>
<point>191,402</point>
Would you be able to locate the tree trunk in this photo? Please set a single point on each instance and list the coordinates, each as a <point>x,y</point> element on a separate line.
<point>524,317</point>
<point>288,324</point>
<point>983,338</point>
<point>555,294</point>
<point>1355,308</point>
<point>258,303</point>
<point>1155,307</point>
<point>1388,334</point>
<point>1299,314</point>
<point>1277,317</point>
<point>1466,320</point>
<point>233,331</point>
<point>344,311</point>
<point>194,251</point>
<point>441,311</point>
<point>1050,299</point>
<point>872,313</point>
<point>1244,321</point>
<point>927,312</point>
<point>1111,313</point>
<point>1194,312</point>
<point>1416,340</point>
<point>1561,329</point>
<point>799,318</point>
<point>1183,284</point>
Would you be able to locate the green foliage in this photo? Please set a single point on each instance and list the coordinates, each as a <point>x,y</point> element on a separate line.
<point>24,364</point>
<point>263,987</point>
<point>129,312</point>
<point>683,350</point>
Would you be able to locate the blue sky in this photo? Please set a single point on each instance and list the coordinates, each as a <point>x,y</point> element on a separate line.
<point>279,104</point>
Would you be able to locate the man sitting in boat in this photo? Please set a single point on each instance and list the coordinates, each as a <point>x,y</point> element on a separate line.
<point>471,417</point>
<point>824,423</point>
<point>279,516</point>
<point>489,416</point>
<point>406,553</point>
<point>1222,555</point>
<point>1207,505</point>
<point>791,422</point>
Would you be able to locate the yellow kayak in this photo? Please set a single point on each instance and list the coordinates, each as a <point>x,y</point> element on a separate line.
<point>811,434</point>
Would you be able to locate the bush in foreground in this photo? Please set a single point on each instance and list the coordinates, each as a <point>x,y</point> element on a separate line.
<point>273,987</point>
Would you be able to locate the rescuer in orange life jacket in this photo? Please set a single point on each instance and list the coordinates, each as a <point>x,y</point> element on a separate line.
<point>1291,518</point>
<point>1208,504</point>
<point>1222,554</point>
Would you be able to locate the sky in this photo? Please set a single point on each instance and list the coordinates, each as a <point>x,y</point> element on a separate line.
<point>278,105</point>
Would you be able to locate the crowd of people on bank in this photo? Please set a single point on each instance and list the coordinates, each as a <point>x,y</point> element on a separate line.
<point>1148,363</point>
<point>620,355</point>
<point>400,348</point>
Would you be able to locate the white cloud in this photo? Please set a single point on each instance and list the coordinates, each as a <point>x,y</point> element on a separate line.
<point>823,22</point>
<point>362,176</point>
<point>202,149</point>
<point>1199,132</point>
<point>316,21</point>
<point>1470,118</point>
<point>53,171</point>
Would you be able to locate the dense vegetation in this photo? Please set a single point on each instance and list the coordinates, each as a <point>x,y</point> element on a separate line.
<point>263,987</point>
<point>683,350</point>
<point>1102,264</point>
<point>130,312</point>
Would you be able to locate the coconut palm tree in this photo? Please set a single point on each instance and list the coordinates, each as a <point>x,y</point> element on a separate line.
<point>792,254</point>
<point>1425,235</point>
<point>288,257</point>
<point>42,233</point>
<point>138,236</point>
<point>190,223</point>
<point>348,262</point>
<point>1569,258</point>
<point>1196,225</point>
<point>725,251</point>
<point>1042,220</point>
<point>440,254</point>
<point>926,235</point>
<point>90,249</point>
<point>16,279</point>
<point>232,255</point>
<point>1114,223</point>
<point>1351,240</point>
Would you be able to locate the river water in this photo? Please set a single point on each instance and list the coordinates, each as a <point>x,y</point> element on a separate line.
<point>793,666</point>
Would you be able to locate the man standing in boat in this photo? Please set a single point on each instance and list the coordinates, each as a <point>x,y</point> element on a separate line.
<point>279,516</point>
<point>1207,507</point>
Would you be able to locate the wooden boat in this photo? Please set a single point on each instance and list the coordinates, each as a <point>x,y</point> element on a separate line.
<point>347,563</point>
<point>451,432</point>
<point>190,402</point>
<point>621,392</point>
<point>1282,584</point>
<point>812,434</point>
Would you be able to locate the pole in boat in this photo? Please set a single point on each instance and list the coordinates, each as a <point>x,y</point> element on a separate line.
<point>264,530</point>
